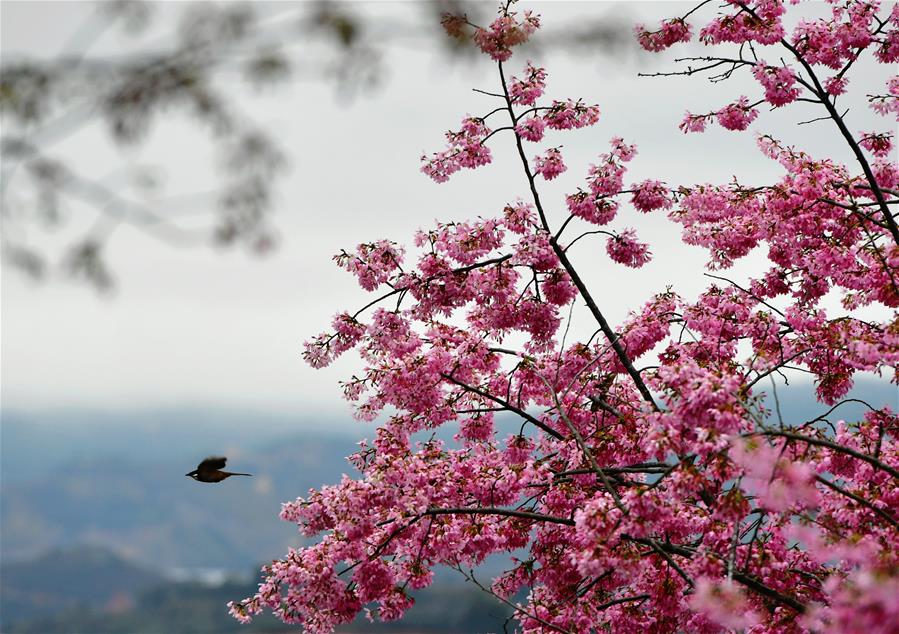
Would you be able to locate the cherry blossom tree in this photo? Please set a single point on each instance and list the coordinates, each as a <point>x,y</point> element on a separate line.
<point>646,485</point>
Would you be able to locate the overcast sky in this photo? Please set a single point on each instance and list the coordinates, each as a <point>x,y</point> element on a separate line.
<point>201,326</point>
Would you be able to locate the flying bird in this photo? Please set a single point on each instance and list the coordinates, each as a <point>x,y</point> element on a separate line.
<point>210,470</point>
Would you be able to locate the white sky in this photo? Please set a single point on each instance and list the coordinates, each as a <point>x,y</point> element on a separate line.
<point>197,326</point>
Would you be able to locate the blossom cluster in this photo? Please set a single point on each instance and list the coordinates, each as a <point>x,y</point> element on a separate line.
<point>527,90</point>
<point>625,249</point>
<point>372,263</point>
<point>550,164</point>
<point>565,115</point>
<point>734,116</point>
<point>758,21</point>
<point>465,148</point>
<point>778,82</point>
<point>670,33</point>
<point>888,103</point>
<point>504,33</point>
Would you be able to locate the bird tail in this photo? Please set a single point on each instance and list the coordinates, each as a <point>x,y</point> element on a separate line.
<point>230,473</point>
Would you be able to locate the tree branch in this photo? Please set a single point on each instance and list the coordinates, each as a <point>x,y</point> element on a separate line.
<point>506,404</point>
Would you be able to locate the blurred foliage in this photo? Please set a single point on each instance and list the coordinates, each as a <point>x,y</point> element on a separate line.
<point>133,92</point>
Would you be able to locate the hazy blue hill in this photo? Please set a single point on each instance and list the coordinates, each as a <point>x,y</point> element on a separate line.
<point>116,479</point>
<point>69,578</point>
<point>92,591</point>
<point>137,500</point>
<point>152,513</point>
<point>34,443</point>
<point>182,608</point>
<point>798,404</point>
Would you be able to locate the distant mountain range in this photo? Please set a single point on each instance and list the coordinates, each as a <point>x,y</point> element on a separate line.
<point>142,505</point>
<point>109,489</point>
<point>101,532</point>
<point>117,478</point>
<point>70,579</point>
<point>37,442</point>
<point>90,590</point>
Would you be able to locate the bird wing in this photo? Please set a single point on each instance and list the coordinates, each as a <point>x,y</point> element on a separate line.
<point>212,463</point>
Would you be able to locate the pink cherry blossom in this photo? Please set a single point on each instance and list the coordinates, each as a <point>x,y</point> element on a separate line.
<point>373,263</point>
<point>778,82</point>
<point>836,85</point>
<point>506,32</point>
<point>527,90</point>
<point>763,24</point>
<point>694,123</point>
<point>627,250</point>
<point>779,482</point>
<point>531,129</point>
<point>598,209</point>
<point>651,195</point>
<point>565,115</point>
<point>723,603</point>
<point>671,32</point>
<point>887,103</point>
<point>550,164</point>
<point>520,217</point>
<point>465,148</point>
<point>737,116</point>
<point>879,144</point>
<point>454,25</point>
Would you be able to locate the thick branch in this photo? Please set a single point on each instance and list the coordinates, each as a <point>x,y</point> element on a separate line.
<point>531,419</point>
<point>750,582</point>
<point>569,268</point>
<point>604,325</point>
<point>430,278</point>
<point>608,604</point>
<point>871,460</point>
<point>852,496</point>
<point>487,510</point>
